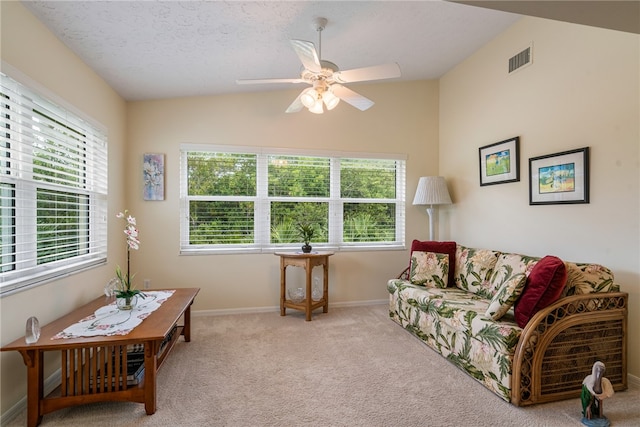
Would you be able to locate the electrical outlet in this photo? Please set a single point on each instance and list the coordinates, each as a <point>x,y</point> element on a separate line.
<point>147,283</point>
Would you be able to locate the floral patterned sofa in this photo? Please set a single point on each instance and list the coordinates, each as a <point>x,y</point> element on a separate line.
<point>528,328</point>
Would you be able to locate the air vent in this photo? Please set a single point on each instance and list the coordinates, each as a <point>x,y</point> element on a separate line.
<point>520,60</point>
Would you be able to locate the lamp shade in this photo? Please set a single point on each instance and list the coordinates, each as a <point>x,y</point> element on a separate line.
<point>432,190</point>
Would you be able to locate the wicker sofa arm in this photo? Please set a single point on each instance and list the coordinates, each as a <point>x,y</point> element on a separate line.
<point>560,343</point>
<point>404,275</point>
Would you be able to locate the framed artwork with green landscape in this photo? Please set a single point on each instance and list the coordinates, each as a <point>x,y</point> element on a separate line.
<point>500,162</point>
<point>559,178</point>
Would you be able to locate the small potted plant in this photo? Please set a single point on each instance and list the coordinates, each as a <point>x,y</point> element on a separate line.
<point>306,231</point>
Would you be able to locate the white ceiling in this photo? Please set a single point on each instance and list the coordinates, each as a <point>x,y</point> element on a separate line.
<point>152,50</point>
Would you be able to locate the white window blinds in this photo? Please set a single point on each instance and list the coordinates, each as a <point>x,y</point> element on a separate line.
<point>53,190</point>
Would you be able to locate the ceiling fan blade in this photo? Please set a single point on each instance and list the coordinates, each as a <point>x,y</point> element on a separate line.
<point>377,72</point>
<point>308,55</point>
<point>261,81</point>
<point>351,97</point>
<point>296,105</point>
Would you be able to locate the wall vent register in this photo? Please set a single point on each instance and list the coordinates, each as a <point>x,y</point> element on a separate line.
<point>520,60</point>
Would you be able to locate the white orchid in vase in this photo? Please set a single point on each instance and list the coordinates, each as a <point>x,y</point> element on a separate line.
<point>125,287</point>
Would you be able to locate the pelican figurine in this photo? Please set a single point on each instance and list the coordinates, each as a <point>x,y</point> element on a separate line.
<point>595,388</point>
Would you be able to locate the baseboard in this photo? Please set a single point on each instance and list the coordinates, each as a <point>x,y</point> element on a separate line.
<point>634,382</point>
<point>50,384</point>
<point>269,309</point>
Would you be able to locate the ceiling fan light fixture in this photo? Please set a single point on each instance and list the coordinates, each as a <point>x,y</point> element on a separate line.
<point>330,100</point>
<point>317,107</point>
<point>309,97</point>
<point>326,78</point>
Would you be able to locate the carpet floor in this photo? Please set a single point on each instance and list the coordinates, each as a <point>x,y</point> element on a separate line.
<point>352,366</point>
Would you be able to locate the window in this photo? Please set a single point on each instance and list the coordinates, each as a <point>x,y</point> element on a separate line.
<point>242,199</point>
<point>53,190</point>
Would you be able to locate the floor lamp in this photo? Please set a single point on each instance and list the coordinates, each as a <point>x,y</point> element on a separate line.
<point>432,190</point>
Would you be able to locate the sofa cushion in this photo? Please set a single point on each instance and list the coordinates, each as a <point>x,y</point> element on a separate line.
<point>584,278</point>
<point>448,248</point>
<point>542,288</point>
<point>429,269</point>
<point>507,266</point>
<point>457,309</point>
<point>508,280</point>
<point>473,270</point>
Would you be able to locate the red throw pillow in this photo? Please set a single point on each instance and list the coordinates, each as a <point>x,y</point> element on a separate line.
<point>543,287</point>
<point>448,248</point>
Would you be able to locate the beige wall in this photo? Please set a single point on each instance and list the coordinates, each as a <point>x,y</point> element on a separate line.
<point>582,90</point>
<point>404,120</point>
<point>29,47</point>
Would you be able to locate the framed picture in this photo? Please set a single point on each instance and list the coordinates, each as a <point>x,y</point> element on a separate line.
<point>500,162</point>
<point>559,178</point>
<point>153,176</point>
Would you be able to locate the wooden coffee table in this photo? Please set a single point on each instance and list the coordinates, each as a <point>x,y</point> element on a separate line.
<point>83,358</point>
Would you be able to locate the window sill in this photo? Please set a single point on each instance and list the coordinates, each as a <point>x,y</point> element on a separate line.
<point>271,250</point>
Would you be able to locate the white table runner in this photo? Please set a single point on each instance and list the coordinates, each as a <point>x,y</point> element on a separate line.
<point>109,320</point>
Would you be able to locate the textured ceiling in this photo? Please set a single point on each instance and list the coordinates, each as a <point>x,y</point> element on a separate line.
<point>153,50</point>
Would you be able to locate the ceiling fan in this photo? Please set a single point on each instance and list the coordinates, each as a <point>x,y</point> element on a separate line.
<point>325,78</point>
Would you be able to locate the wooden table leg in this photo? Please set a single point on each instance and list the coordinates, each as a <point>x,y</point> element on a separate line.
<point>186,330</point>
<point>283,285</point>
<point>33,359</point>
<point>150,372</point>
<point>308,270</point>
<point>325,285</point>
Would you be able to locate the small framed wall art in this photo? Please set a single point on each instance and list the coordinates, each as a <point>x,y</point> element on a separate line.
<point>559,178</point>
<point>153,176</point>
<point>500,162</point>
